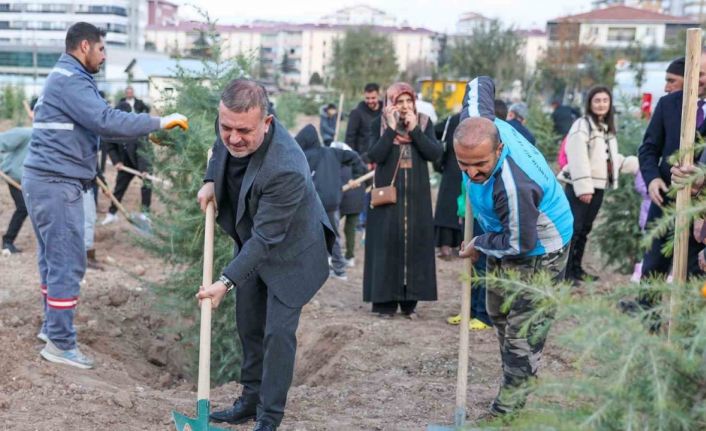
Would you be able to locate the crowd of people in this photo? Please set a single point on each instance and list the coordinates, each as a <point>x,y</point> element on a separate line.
<point>280,199</point>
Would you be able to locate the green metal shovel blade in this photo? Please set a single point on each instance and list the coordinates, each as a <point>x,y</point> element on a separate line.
<point>200,423</point>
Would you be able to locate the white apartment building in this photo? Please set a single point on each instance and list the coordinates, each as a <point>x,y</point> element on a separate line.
<point>359,15</point>
<point>308,47</point>
<point>618,27</point>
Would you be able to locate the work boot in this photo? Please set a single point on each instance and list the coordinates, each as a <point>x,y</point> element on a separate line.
<point>91,261</point>
<point>242,411</point>
<point>72,357</point>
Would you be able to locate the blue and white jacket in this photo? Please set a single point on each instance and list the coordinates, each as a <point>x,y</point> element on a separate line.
<point>69,118</point>
<point>521,207</point>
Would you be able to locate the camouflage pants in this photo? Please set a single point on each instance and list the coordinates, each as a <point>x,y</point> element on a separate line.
<point>520,352</point>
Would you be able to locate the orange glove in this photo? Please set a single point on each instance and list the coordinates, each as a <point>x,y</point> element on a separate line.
<point>174,120</point>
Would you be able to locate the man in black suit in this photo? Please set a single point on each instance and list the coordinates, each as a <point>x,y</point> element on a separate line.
<point>266,201</point>
<point>661,140</point>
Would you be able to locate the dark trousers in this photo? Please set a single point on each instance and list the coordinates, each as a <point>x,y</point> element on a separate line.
<point>121,185</point>
<point>584,216</point>
<point>349,231</point>
<point>18,217</point>
<point>656,263</point>
<point>267,330</point>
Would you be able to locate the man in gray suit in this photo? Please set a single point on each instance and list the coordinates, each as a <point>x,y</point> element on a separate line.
<point>266,201</point>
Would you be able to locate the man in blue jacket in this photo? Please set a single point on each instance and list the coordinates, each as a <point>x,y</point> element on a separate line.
<point>69,117</point>
<point>527,223</point>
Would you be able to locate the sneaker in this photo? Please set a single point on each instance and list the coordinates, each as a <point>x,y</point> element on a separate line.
<point>72,357</point>
<point>42,336</point>
<point>340,276</point>
<point>9,248</point>
<point>109,218</point>
<point>145,217</point>
<point>454,320</point>
<point>477,325</point>
<point>350,263</point>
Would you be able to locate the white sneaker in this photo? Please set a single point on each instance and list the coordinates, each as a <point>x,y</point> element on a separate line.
<point>350,263</point>
<point>145,217</point>
<point>109,218</point>
<point>342,276</point>
<point>42,336</point>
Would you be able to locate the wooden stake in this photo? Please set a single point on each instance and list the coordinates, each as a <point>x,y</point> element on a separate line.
<point>686,148</point>
<point>338,117</point>
<point>10,181</point>
<point>462,376</point>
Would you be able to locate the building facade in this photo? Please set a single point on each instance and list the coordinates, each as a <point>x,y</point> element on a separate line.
<point>293,52</point>
<point>617,27</point>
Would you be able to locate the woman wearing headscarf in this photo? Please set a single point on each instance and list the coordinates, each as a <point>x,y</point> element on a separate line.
<point>399,241</point>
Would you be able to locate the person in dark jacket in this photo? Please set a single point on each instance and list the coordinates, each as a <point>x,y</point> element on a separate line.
<point>517,118</point>
<point>326,164</point>
<point>327,124</point>
<point>563,117</point>
<point>358,138</point>
<point>352,205</point>
<point>136,105</point>
<point>661,140</point>
<point>448,231</point>
<point>131,153</point>
<point>399,244</point>
<point>360,119</point>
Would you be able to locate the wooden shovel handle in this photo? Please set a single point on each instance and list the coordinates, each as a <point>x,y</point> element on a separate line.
<point>139,174</point>
<point>204,384</point>
<point>358,181</point>
<point>113,199</point>
<point>462,375</point>
<point>10,181</point>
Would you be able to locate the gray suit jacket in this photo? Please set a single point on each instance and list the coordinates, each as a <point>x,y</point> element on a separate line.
<point>283,228</point>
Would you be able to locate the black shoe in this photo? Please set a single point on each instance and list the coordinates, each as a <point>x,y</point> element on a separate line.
<point>241,412</point>
<point>264,426</point>
<point>10,247</point>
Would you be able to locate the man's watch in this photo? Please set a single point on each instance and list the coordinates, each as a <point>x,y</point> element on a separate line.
<point>225,280</point>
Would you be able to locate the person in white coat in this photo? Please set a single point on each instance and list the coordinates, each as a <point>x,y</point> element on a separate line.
<point>594,164</point>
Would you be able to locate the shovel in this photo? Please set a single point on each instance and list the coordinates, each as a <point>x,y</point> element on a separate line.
<point>203,405</point>
<point>143,226</point>
<point>462,375</point>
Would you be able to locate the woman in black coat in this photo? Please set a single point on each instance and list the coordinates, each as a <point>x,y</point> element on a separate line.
<point>448,230</point>
<point>399,243</point>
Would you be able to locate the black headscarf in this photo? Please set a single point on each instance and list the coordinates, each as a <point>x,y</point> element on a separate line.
<point>308,139</point>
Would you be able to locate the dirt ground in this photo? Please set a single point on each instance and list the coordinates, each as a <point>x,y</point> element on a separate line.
<point>354,371</point>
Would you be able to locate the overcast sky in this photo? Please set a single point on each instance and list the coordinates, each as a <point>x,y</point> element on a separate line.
<point>439,15</point>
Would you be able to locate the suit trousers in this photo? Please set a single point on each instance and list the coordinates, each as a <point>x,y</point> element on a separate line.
<point>655,263</point>
<point>267,330</point>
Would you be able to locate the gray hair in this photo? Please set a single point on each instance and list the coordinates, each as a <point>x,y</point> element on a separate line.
<point>474,130</point>
<point>242,95</point>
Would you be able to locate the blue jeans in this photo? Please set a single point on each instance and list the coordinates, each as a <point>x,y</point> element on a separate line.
<point>55,207</point>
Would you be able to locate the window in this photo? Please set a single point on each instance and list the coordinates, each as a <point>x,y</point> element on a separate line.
<point>4,25</point>
<point>621,34</point>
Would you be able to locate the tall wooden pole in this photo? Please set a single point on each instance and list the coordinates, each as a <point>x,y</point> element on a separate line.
<point>462,375</point>
<point>686,148</point>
